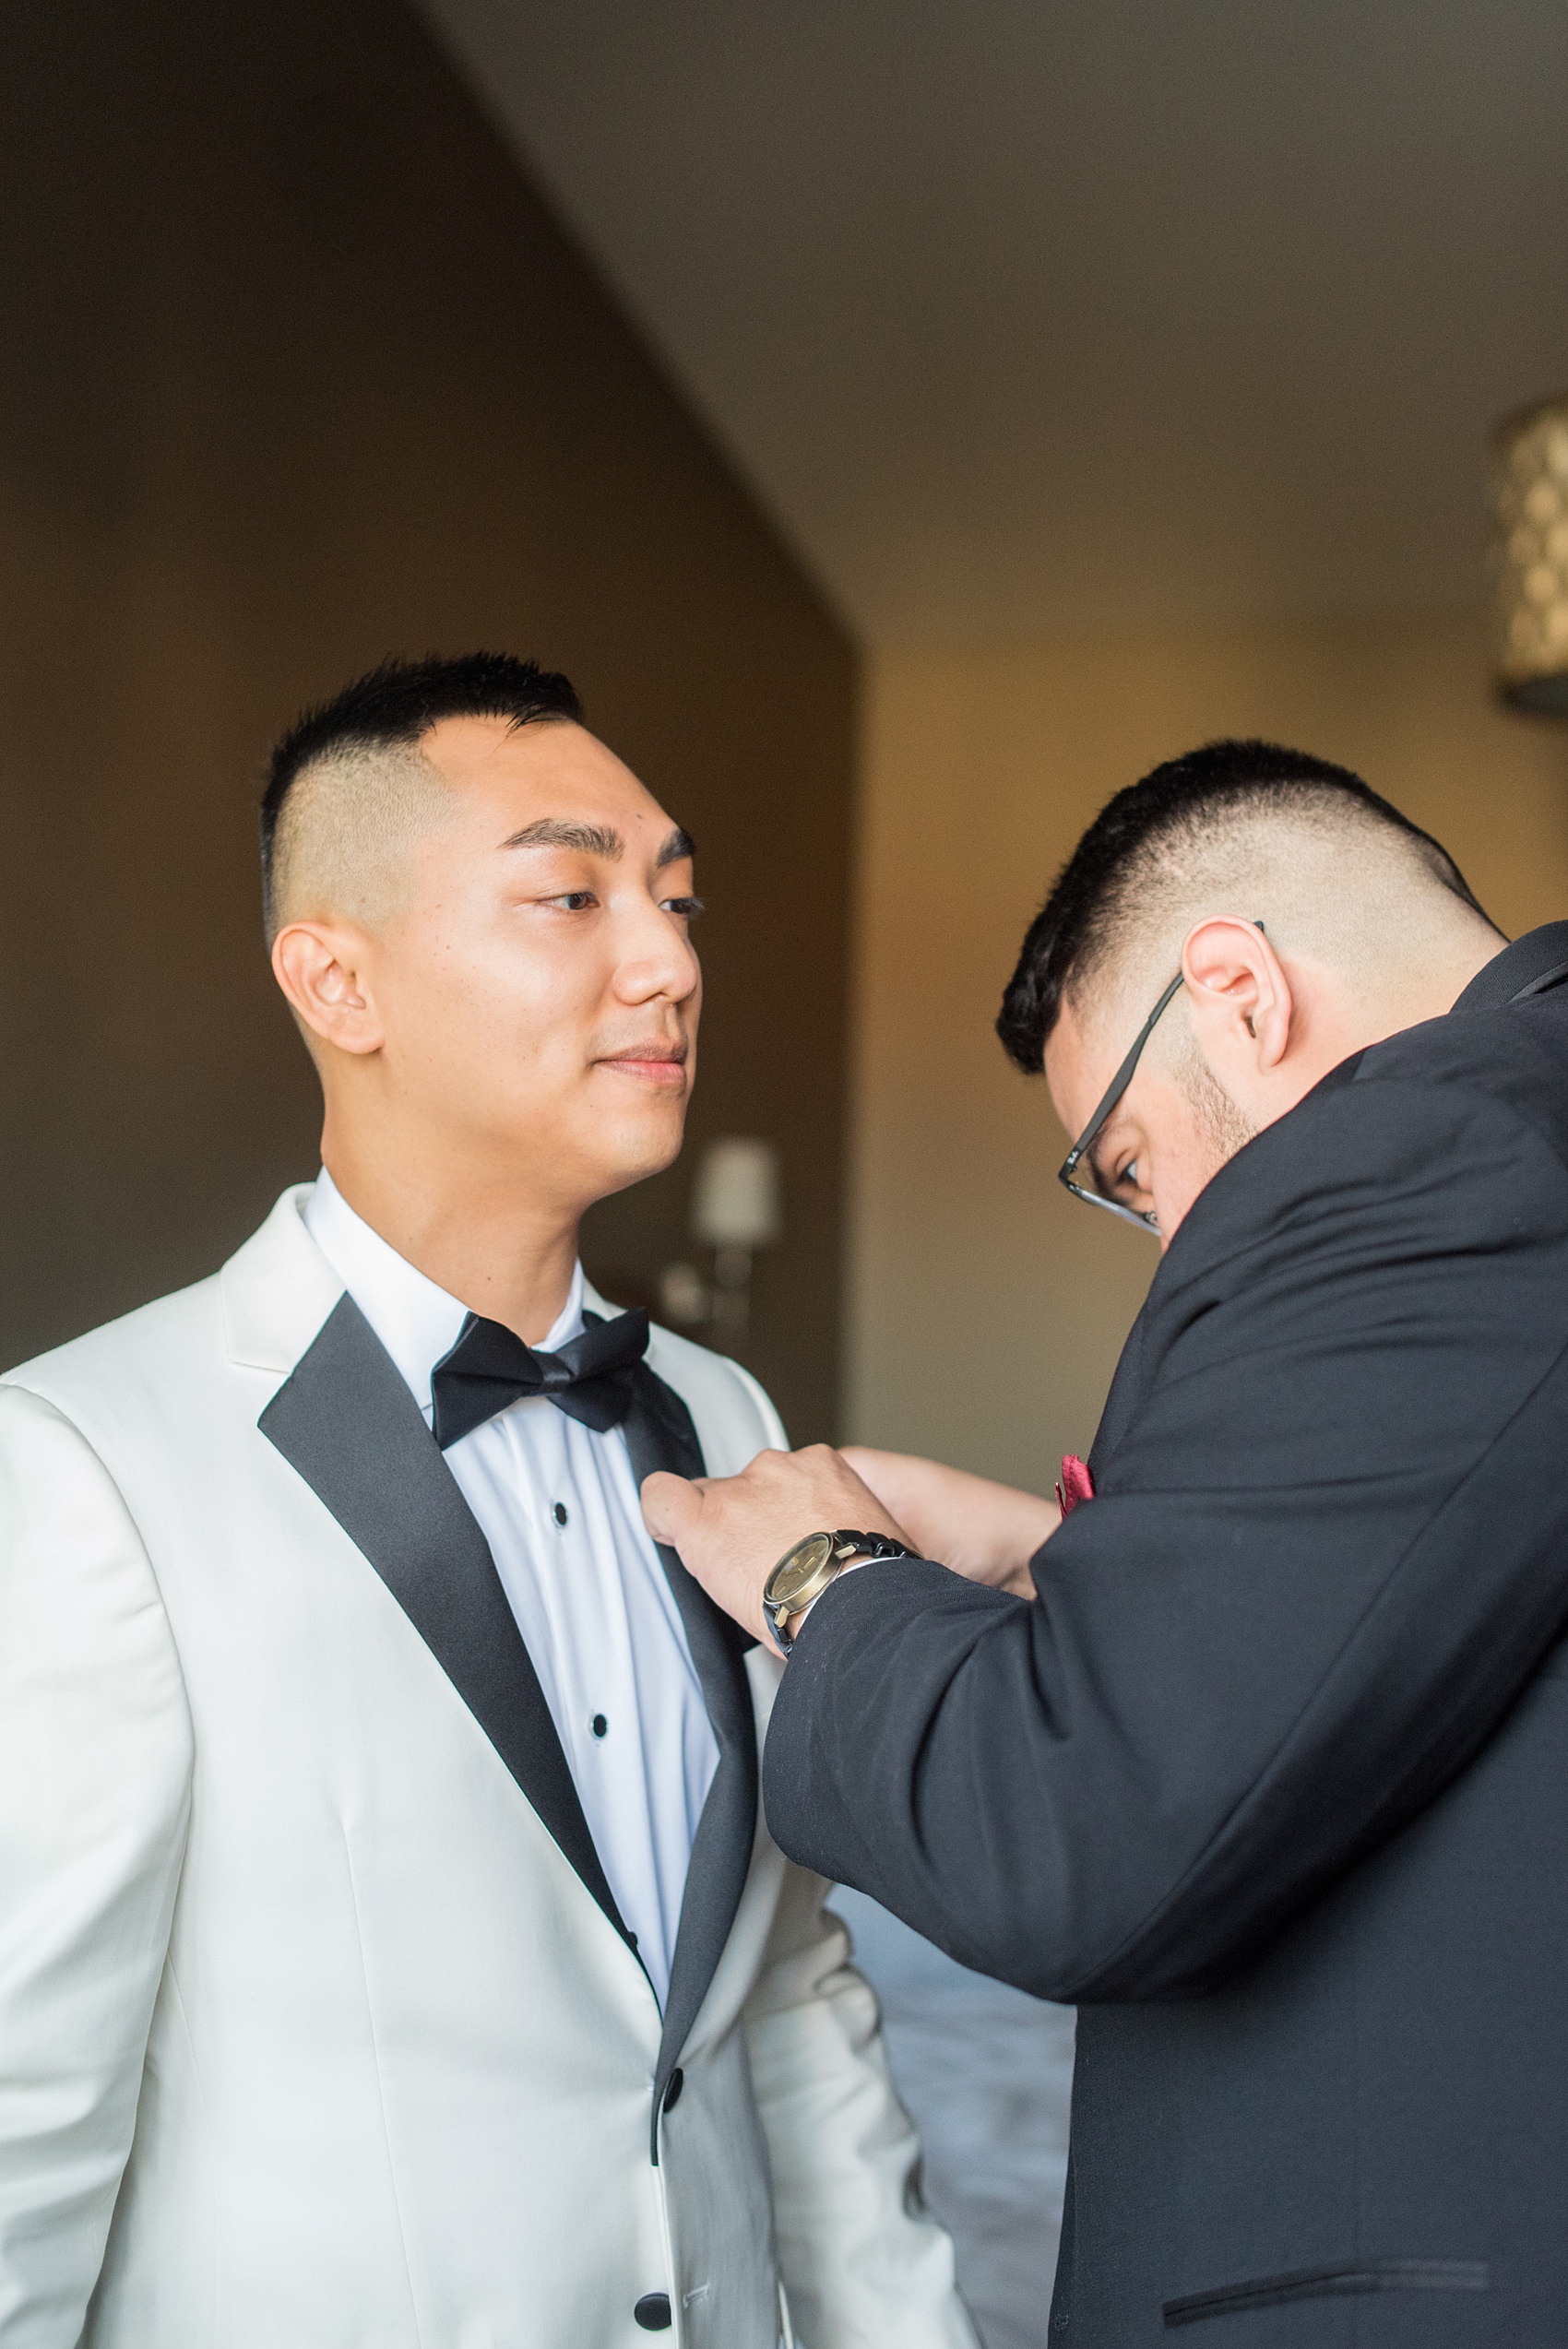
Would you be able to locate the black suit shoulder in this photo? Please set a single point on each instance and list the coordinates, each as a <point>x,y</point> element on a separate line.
<point>1469,1095</point>
<point>1447,1143</point>
<point>1329,1547</point>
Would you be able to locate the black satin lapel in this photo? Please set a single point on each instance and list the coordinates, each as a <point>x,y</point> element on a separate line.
<point>347,1422</point>
<point>660,1434</point>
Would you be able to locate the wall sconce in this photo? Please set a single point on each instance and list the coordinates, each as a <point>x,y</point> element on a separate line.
<point>1529,559</point>
<point>735,1211</point>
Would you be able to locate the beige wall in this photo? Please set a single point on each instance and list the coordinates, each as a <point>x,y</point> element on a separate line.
<point>299,371</point>
<point>986,1308</point>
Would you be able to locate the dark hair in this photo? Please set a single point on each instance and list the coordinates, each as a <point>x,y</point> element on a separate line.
<point>396,704</point>
<point>1087,903</point>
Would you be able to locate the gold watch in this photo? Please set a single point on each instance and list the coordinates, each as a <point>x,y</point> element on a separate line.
<point>805,1571</point>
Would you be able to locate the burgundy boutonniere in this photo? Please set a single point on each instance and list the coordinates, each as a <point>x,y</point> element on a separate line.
<point>1075,1484</point>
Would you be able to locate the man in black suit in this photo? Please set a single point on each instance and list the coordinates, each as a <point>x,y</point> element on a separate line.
<point>1272,1780</point>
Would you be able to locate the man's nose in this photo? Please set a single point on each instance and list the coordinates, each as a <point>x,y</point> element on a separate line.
<point>655,959</point>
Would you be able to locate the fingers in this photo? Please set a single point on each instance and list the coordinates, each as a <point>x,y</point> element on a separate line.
<point>730,1532</point>
<point>670,1506</point>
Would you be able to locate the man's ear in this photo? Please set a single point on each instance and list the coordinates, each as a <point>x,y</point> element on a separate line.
<point>1238,996</point>
<point>321,968</point>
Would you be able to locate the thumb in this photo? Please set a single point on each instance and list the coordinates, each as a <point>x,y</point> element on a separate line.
<point>670,1505</point>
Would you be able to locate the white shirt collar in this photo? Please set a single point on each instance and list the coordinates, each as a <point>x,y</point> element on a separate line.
<point>415,1322</point>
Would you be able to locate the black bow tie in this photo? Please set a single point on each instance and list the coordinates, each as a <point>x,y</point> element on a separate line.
<point>490,1367</point>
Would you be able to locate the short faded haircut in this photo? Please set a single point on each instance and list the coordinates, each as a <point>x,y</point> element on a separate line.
<point>1131,864</point>
<point>348,788</point>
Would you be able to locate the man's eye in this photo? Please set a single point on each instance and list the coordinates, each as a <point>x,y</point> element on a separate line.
<point>1128,1178</point>
<point>688,907</point>
<point>573,900</point>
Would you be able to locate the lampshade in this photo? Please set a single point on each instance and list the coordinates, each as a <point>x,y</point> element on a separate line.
<point>735,1200</point>
<point>1530,556</point>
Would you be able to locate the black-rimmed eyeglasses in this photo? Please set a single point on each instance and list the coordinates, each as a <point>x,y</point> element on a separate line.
<point>1113,1092</point>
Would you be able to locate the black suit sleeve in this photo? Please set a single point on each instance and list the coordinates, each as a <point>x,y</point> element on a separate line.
<point>1327,1553</point>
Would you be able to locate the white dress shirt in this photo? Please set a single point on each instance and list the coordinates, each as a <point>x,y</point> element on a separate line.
<point>558,1505</point>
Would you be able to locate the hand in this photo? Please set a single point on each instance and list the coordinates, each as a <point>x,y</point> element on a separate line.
<point>988,1532</point>
<point>732,1531</point>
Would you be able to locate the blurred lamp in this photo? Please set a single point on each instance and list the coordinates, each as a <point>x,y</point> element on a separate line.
<point>735,1200</point>
<point>1530,556</point>
<point>683,1295</point>
<point>735,1210</point>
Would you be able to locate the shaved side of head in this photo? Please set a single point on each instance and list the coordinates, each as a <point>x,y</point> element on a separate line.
<point>350,793</point>
<point>1329,879</point>
<point>341,848</point>
<point>1334,874</point>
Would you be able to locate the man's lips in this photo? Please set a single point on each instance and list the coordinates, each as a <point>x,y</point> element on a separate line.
<point>663,1064</point>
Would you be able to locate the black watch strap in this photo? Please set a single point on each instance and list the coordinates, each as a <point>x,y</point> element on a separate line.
<point>851,1545</point>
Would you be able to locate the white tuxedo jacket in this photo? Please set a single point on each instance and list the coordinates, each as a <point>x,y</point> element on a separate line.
<point>318,2026</point>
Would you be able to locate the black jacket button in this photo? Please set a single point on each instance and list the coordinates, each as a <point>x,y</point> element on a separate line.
<point>673,2092</point>
<point>652,2312</point>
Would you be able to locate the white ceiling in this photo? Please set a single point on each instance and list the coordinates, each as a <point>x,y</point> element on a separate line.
<point>1029,315</point>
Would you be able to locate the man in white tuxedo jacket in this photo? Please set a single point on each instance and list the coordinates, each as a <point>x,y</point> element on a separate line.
<point>392,1954</point>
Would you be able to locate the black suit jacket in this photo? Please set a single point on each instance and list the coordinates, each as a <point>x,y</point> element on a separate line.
<point>1273,1780</point>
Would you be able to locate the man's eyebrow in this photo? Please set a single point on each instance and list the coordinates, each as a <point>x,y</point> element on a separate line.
<point>553,832</point>
<point>679,846</point>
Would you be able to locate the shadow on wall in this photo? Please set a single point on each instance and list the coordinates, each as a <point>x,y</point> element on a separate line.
<point>311,375</point>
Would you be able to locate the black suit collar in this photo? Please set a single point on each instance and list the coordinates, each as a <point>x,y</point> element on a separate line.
<point>1531,965</point>
<point>347,1423</point>
<point>1539,954</point>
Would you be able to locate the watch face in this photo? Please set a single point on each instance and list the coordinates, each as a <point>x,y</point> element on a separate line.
<point>799,1568</point>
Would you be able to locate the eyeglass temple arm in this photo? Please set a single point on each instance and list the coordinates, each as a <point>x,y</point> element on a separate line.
<point>1123,1078</point>
<point>1118,1085</point>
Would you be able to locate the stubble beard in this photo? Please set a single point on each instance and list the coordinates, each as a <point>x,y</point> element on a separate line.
<point>1224,1127</point>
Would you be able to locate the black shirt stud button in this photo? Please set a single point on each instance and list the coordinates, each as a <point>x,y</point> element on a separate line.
<point>559,1512</point>
<point>652,2312</point>
<point>673,2092</point>
<point>599,1725</point>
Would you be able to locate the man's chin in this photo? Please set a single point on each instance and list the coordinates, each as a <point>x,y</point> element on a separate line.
<point>634,1149</point>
